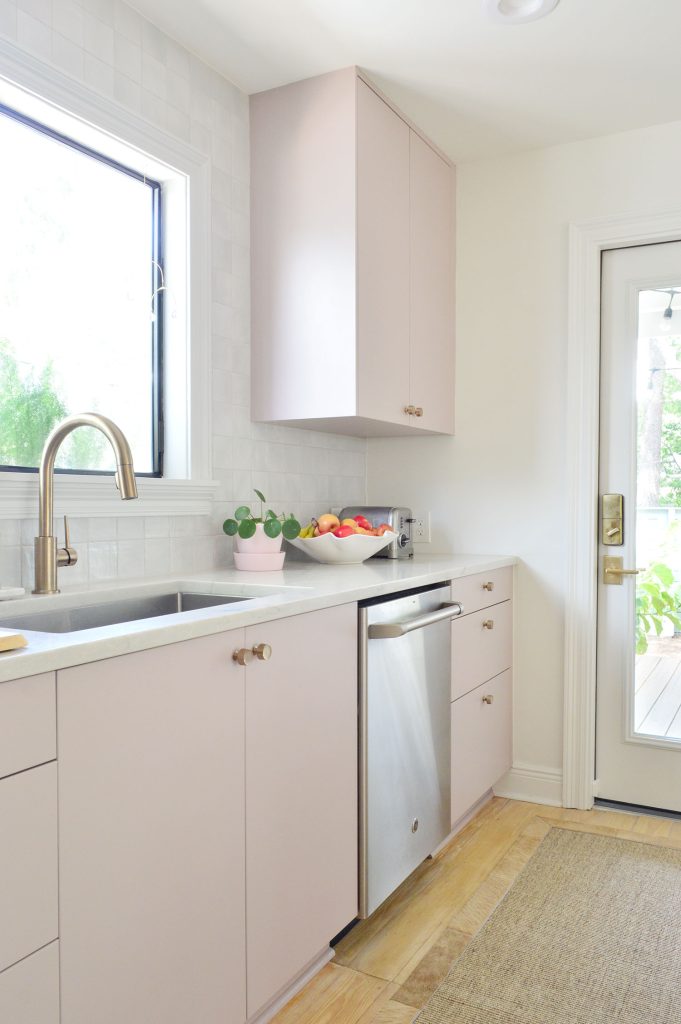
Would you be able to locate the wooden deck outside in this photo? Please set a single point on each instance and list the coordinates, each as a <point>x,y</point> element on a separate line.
<point>658,694</point>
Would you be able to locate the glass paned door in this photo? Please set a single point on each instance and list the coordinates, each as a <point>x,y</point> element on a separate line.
<point>638,720</point>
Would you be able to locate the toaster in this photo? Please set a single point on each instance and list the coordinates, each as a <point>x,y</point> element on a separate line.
<point>400,520</point>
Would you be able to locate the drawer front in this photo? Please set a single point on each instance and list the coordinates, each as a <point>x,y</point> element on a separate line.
<point>482,736</point>
<point>482,647</point>
<point>28,863</point>
<point>483,589</point>
<point>29,991</point>
<point>28,723</point>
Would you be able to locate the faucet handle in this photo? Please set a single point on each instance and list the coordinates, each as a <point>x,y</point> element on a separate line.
<point>67,555</point>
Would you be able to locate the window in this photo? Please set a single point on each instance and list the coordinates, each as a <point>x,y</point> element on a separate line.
<point>81,299</point>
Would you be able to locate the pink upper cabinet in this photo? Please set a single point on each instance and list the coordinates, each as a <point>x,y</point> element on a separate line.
<point>352,281</point>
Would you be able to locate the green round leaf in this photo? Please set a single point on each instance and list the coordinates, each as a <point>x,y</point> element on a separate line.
<point>230,526</point>
<point>243,512</point>
<point>291,529</point>
<point>246,528</point>
<point>272,528</point>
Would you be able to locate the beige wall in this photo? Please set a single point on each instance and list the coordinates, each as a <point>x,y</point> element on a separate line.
<point>500,484</point>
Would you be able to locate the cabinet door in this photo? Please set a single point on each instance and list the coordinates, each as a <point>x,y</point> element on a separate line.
<point>29,991</point>
<point>382,260</point>
<point>432,287</point>
<point>482,740</point>
<point>301,794</point>
<point>482,647</point>
<point>28,862</point>
<point>28,726</point>
<point>151,836</point>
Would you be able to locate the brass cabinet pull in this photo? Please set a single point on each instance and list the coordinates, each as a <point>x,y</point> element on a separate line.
<point>418,411</point>
<point>263,652</point>
<point>488,586</point>
<point>624,572</point>
<point>488,698</point>
<point>243,656</point>
<point>410,410</point>
<point>488,624</point>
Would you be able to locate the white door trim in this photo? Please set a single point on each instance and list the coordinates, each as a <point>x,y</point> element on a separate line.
<point>587,241</point>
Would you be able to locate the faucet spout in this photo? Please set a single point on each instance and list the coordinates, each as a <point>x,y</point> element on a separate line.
<point>47,557</point>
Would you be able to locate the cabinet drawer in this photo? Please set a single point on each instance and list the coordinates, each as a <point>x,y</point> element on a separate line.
<point>481,742</point>
<point>28,863</point>
<point>482,647</point>
<point>483,589</point>
<point>28,726</point>
<point>29,991</point>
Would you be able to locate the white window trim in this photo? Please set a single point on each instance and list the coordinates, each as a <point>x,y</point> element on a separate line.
<point>191,489</point>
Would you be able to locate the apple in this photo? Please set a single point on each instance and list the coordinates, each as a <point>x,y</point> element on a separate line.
<point>384,528</point>
<point>326,523</point>
<point>343,531</point>
<point>363,522</point>
<point>351,523</point>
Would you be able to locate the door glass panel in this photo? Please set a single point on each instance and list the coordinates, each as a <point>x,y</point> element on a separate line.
<point>657,705</point>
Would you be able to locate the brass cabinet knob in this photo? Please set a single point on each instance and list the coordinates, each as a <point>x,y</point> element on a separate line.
<point>263,652</point>
<point>243,656</point>
<point>488,624</point>
<point>488,698</point>
<point>418,411</point>
<point>488,586</point>
<point>410,410</point>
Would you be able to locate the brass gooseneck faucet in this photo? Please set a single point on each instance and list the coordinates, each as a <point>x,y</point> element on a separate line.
<point>47,555</point>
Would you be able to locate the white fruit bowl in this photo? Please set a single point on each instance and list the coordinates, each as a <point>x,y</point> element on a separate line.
<point>342,550</point>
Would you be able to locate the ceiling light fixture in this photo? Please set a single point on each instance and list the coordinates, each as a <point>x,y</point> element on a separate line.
<point>511,12</point>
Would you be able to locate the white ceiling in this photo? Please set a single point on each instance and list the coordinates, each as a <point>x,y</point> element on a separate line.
<point>475,86</point>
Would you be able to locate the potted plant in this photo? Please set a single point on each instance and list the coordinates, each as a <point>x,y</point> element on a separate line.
<point>261,534</point>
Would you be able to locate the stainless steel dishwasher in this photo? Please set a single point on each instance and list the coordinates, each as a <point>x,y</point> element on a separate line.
<point>405,760</point>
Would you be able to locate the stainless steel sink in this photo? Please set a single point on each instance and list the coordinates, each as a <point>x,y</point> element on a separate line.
<point>72,620</point>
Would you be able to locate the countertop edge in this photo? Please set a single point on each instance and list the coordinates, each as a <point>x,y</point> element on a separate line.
<point>52,652</point>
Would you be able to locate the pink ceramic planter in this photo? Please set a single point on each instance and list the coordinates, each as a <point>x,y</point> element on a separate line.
<point>259,543</point>
<point>259,553</point>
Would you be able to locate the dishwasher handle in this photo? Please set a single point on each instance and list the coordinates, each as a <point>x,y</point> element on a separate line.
<point>390,630</point>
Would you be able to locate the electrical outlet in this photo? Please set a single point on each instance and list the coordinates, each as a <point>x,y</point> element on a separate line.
<point>421,528</point>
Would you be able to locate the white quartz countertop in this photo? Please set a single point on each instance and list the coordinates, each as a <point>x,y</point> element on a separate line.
<point>299,588</point>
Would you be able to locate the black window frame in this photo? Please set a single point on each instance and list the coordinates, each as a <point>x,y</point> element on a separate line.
<point>156,293</point>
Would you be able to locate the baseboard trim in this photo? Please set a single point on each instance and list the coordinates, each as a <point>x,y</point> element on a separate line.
<point>289,991</point>
<point>535,784</point>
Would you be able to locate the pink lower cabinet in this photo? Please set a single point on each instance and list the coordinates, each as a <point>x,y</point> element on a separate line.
<point>29,990</point>
<point>151,837</point>
<point>301,794</point>
<point>481,741</point>
<point>28,863</point>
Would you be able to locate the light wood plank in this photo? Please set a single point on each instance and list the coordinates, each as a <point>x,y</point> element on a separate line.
<point>338,995</point>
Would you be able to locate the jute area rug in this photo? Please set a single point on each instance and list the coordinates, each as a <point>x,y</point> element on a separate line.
<point>590,933</point>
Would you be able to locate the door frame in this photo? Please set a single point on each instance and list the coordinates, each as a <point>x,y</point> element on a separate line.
<point>587,240</point>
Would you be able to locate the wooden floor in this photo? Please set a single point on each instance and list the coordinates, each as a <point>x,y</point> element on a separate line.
<point>658,695</point>
<point>386,967</point>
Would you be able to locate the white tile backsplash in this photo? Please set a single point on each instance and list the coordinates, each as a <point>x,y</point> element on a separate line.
<point>116,52</point>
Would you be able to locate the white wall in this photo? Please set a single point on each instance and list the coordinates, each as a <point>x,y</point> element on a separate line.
<point>500,484</point>
<point>115,52</point>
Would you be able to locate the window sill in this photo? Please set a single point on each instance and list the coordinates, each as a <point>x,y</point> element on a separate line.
<point>97,496</point>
